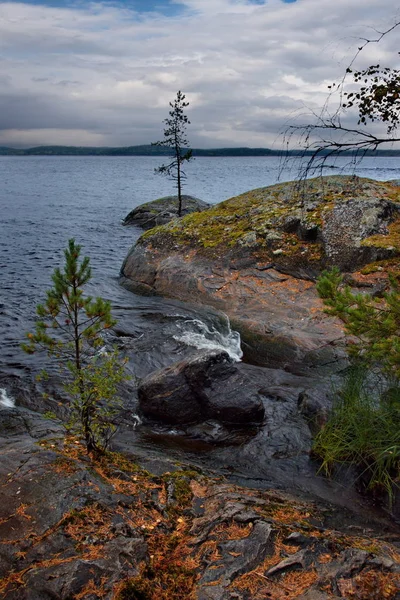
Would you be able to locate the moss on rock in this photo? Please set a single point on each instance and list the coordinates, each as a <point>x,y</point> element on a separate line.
<point>390,239</point>
<point>285,222</point>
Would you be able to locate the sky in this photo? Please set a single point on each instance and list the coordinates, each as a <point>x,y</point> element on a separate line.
<point>82,73</point>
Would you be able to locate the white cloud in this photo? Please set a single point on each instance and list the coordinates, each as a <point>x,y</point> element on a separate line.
<point>104,75</point>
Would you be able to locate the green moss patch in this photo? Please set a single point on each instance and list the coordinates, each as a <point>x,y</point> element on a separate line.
<point>261,212</point>
<point>390,265</point>
<point>387,240</point>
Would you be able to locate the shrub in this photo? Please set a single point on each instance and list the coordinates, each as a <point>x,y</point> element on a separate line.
<point>363,429</point>
<point>374,323</point>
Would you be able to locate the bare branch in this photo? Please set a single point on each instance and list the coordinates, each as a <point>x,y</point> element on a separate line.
<point>377,100</point>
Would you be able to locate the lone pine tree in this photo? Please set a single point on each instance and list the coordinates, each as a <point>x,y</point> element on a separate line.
<point>175,139</point>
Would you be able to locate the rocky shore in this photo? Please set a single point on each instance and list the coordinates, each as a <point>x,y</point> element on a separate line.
<point>72,528</point>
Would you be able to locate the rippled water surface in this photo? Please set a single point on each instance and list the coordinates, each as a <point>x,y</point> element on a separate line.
<point>45,201</point>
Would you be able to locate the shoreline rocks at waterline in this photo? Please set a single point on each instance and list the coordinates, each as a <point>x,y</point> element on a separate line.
<point>163,210</point>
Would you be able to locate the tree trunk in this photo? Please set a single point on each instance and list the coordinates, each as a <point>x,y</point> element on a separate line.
<point>179,191</point>
<point>179,184</point>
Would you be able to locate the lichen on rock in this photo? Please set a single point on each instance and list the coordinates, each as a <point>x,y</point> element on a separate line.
<point>326,219</point>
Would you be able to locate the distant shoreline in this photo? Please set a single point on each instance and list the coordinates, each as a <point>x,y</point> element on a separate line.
<point>148,150</point>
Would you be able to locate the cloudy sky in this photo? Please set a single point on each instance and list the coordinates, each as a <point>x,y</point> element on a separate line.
<point>102,73</point>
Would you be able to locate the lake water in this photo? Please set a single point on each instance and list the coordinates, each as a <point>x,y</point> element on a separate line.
<point>44,201</point>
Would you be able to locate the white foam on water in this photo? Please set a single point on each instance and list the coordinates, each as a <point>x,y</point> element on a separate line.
<point>136,420</point>
<point>5,400</point>
<point>199,335</point>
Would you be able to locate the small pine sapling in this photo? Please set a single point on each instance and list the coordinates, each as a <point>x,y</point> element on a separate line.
<point>69,327</point>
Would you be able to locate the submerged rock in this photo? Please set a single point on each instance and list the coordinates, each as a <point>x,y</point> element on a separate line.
<point>163,210</point>
<point>206,386</point>
<point>256,257</point>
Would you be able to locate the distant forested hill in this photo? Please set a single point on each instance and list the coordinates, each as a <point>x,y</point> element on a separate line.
<point>146,150</point>
<point>149,150</point>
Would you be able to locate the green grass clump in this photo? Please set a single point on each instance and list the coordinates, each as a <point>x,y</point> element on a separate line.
<point>363,430</point>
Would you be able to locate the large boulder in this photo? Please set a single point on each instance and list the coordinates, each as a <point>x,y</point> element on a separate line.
<point>256,257</point>
<point>206,386</point>
<point>163,210</point>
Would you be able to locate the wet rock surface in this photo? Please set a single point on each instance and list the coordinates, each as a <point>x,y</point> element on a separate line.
<point>163,210</point>
<point>274,454</point>
<point>256,257</point>
<point>206,386</point>
<point>62,528</point>
<point>280,318</point>
<point>253,422</point>
<point>73,527</point>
